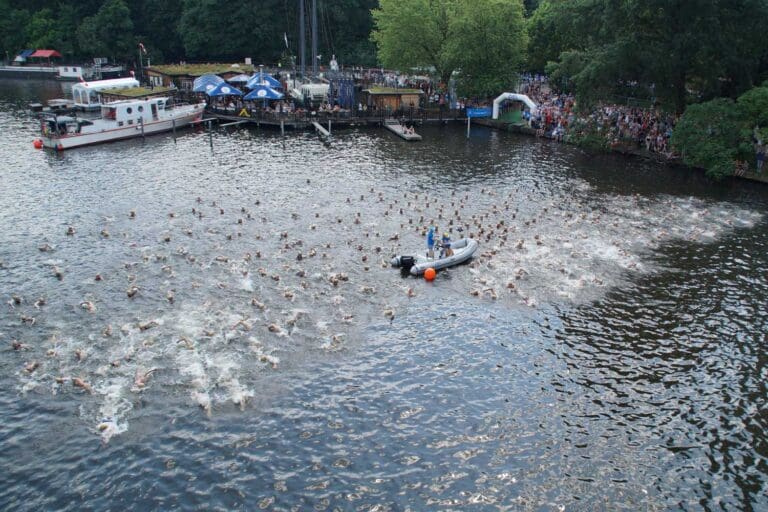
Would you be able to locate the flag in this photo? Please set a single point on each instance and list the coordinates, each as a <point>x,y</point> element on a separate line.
<point>141,47</point>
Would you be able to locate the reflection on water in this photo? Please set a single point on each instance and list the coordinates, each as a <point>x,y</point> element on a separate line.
<point>221,323</point>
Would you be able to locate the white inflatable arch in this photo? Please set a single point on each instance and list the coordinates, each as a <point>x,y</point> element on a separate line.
<point>514,97</point>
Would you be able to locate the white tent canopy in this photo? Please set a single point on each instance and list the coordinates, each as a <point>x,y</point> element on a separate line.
<point>513,97</point>
<point>86,94</point>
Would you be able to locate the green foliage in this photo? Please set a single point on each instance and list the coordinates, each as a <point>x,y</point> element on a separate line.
<point>109,33</point>
<point>710,135</point>
<point>557,26</point>
<point>688,49</point>
<point>174,30</point>
<point>753,105</point>
<point>416,33</point>
<point>484,39</point>
<point>13,27</point>
<point>489,46</point>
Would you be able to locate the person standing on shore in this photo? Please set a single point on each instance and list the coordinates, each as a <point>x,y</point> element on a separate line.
<point>760,154</point>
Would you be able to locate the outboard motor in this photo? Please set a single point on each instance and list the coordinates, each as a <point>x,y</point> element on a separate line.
<point>406,262</point>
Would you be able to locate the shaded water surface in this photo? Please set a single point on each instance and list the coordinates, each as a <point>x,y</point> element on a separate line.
<point>211,323</point>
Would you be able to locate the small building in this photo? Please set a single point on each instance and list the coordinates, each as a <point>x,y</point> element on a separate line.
<point>183,76</point>
<point>384,98</point>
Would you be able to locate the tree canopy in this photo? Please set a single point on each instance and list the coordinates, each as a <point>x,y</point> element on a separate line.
<point>485,39</point>
<point>173,30</point>
<point>717,134</point>
<point>685,50</point>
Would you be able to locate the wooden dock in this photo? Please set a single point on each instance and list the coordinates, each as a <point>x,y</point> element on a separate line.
<point>399,130</point>
<point>305,121</point>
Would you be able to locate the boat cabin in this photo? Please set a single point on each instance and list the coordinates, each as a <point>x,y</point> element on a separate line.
<point>133,112</point>
<point>63,125</point>
<point>87,94</point>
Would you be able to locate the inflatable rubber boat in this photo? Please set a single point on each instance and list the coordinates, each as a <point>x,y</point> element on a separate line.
<point>463,250</point>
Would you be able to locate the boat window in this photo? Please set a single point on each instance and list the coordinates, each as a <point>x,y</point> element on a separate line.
<point>129,110</point>
<point>130,121</point>
<point>140,108</point>
<point>119,123</point>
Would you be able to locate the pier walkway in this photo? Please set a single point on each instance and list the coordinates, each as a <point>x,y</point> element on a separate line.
<point>303,120</point>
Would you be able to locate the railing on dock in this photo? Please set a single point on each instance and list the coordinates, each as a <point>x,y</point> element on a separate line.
<point>303,117</point>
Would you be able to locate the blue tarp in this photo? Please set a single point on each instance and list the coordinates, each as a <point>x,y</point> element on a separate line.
<point>23,56</point>
<point>224,89</point>
<point>262,92</point>
<point>258,79</point>
<point>205,83</point>
<point>343,92</point>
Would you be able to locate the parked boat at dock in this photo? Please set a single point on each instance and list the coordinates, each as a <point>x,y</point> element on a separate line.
<point>119,120</point>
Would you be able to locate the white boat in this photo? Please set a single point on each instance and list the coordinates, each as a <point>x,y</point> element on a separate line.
<point>119,120</point>
<point>463,250</point>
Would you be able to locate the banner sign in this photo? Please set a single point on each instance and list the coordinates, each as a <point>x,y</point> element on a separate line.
<point>478,112</point>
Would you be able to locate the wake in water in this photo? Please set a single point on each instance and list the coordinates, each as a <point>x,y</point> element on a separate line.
<point>211,299</point>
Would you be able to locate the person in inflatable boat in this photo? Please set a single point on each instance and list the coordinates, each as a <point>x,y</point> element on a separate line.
<point>446,243</point>
<point>431,242</point>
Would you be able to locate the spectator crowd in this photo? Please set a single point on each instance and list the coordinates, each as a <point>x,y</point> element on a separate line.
<point>620,127</point>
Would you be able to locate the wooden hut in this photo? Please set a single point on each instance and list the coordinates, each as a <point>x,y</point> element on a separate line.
<point>384,98</point>
<point>183,75</point>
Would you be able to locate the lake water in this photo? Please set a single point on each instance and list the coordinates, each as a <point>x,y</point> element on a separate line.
<point>605,350</point>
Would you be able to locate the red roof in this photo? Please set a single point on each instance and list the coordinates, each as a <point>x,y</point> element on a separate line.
<point>46,53</point>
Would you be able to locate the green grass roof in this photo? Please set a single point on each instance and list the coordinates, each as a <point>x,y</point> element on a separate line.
<point>201,69</point>
<point>392,90</point>
<point>136,92</point>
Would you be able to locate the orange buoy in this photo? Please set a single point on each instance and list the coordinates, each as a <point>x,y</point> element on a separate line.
<point>38,144</point>
<point>430,274</point>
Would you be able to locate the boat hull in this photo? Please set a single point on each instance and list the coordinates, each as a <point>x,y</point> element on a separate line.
<point>181,116</point>
<point>463,249</point>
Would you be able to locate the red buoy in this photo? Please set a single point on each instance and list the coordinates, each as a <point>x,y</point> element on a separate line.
<point>430,274</point>
<point>38,144</point>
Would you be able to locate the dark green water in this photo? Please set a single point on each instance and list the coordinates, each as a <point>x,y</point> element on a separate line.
<point>605,351</point>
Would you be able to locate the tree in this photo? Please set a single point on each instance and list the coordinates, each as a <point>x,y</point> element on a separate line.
<point>557,26</point>
<point>416,33</point>
<point>684,48</point>
<point>485,39</point>
<point>43,30</point>
<point>708,136</point>
<point>156,26</point>
<point>245,31</point>
<point>13,25</point>
<point>109,33</point>
<point>489,45</point>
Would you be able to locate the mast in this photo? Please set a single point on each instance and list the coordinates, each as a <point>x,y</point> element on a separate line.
<point>302,37</point>
<point>314,37</point>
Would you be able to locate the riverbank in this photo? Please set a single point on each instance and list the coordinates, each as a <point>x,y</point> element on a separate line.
<point>637,153</point>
